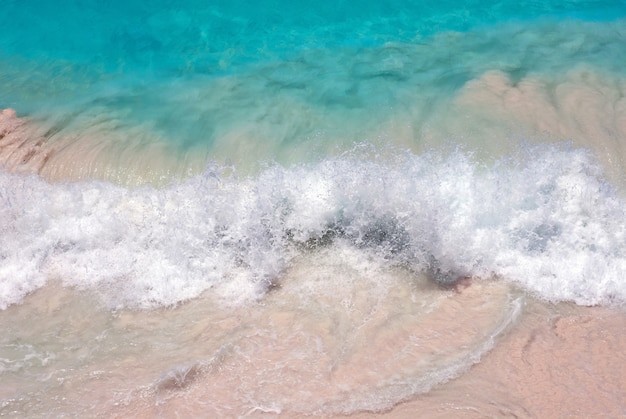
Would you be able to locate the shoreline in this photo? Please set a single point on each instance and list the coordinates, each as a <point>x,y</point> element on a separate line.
<point>559,361</point>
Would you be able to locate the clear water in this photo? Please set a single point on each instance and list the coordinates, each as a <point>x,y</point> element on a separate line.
<point>310,77</point>
<point>253,207</point>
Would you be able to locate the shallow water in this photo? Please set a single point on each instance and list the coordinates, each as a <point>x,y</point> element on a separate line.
<point>257,210</point>
<point>486,81</point>
<point>558,361</point>
<point>341,332</point>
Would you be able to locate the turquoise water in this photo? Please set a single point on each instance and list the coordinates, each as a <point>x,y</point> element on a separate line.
<point>195,36</point>
<point>351,173</point>
<point>303,75</point>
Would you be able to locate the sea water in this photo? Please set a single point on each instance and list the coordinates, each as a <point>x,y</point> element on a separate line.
<point>241,208</point>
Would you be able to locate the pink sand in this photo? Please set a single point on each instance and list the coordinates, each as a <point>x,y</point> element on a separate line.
<point>552,365</point>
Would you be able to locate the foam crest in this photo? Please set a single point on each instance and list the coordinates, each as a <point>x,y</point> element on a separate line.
<point>545,219</point>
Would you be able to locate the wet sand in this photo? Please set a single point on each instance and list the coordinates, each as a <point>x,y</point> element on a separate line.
<point>559,362</point>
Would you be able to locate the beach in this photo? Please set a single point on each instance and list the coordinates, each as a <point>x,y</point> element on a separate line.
<point>556,361</point>
<point>569,364</point>
<point>364,210</point>
<point>293,358</point>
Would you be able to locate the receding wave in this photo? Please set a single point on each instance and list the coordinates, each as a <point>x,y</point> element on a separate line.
<point>342,331</point>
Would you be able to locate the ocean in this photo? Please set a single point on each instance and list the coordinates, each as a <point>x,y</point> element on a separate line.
<point>279,209</point>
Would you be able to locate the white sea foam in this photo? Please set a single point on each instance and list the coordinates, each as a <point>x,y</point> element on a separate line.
<point>545,219</point>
